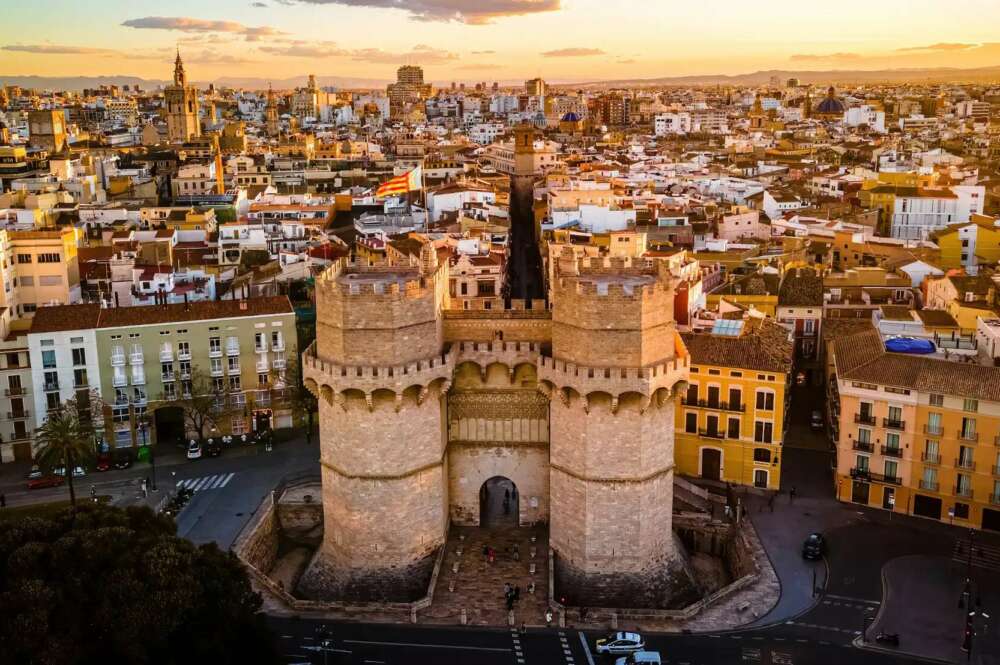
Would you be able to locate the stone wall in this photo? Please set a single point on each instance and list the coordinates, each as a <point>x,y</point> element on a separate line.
<point>299,516</point>
<point>259,541</point>
<point>533,325</point>
<point>470,464</point>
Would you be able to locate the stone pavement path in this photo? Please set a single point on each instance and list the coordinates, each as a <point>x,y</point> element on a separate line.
<point>479,586</point>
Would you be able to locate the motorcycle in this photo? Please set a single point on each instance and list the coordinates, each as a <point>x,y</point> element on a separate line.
<point>891,639</point>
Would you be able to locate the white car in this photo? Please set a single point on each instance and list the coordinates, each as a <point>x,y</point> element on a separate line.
<point>640,658</point>
<point>78,471</point>
<point>194,450</point>
<point>620,643</point>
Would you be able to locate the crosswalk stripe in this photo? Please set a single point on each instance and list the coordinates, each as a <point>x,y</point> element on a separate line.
<point>205,482</point>
<point>226,481</point>
<point>217,480</point>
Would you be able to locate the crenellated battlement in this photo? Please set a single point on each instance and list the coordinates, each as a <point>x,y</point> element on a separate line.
<point>354,278</point>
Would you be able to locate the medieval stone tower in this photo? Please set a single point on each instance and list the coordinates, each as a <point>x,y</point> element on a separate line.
<point>616,365</point>
<point>381,379</point>
<point>181,101</point>
<point>422,407</point>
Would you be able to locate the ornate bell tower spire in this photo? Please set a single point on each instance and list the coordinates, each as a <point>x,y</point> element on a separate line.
<point>180,78</point>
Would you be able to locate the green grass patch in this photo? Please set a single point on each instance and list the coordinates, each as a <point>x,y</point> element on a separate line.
<point>43,510</point>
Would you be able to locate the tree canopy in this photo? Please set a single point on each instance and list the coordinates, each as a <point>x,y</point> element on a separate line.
<point>119,586</point>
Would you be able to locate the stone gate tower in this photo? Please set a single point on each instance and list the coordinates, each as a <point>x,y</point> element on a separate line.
<point>615,367</point>
<point>378,369</point>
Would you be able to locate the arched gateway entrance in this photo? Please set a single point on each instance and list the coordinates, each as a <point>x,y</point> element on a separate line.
<point>498,503</point>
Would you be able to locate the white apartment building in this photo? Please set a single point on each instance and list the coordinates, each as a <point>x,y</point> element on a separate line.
<point>918,212</point>
<point>665,124</point>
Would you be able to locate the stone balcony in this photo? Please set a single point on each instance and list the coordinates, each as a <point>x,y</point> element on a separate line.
<point>368,378</point>
<point>614,381</point>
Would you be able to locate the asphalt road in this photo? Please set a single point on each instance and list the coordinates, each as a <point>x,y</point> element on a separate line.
<point>388,644</point>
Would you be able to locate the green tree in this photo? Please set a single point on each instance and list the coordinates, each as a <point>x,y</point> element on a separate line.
<point>302,402</point>
<point>108,585</point>
<point>68,436</point>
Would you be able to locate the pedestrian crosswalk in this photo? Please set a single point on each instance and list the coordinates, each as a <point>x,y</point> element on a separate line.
<point>218,481</point>
<point>983,555</point>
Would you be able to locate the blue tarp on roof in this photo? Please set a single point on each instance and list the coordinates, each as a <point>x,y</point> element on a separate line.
<point>909,345</point>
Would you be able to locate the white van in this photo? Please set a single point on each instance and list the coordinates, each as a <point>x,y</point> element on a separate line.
<point>640,658</point>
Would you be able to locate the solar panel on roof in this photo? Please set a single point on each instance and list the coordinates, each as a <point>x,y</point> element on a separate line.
<point>727,328</point>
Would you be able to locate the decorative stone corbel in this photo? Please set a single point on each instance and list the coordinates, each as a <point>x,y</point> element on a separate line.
<point>399,402</point>
<point>340,400</point>
<point>614,405</point>
<point>424,391</point>
<point>586,404</point>
<point>370,401</point>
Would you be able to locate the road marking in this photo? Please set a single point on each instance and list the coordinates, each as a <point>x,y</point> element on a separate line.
<point>213,482</point>
<point>427,646</point>
<point>586,648</point>
<point>854,600</point>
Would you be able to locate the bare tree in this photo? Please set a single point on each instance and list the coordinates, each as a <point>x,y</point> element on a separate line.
<point>201,400</point>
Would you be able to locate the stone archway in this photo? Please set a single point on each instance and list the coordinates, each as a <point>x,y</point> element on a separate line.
<point>499,503</point>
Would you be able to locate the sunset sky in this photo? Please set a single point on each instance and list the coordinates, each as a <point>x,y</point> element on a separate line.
<point>472,40</point>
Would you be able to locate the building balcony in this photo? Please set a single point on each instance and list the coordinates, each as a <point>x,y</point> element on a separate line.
<point>864,419</point>
<point>995,499</point>
<point>184,355</point>
<point>888,423</point>
<point>81,384</point>
<point>185,374</point>
<point>278,346</point>
<point>232,350</point>
<point>51,386</point>
<point>166,355</point>
<point>965,464</point>
<point>117,359</point>
<point>260,348</point>
<point>216,371</point>
<point>119,381</point>
<point>962,491</point>
<point>933,430</point>
<point>863,446</point>
<point>136,358</point>
<point>13,392</point>
<point>930,458</point>
<point>215,352</point>
<point>262,365</point>
<point>703,404</point>
<point>139,380</point>
<point>712,434</point>
<point>930,485</point>
<point>279,363</point>
<point>871,476</point>
<point>972,437</point>
<point>167,377</point>
<point>18,415</point>
<point>139,401</point>
<point>894,451</point>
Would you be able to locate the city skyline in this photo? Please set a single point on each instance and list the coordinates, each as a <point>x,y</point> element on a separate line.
<point>506,40</point>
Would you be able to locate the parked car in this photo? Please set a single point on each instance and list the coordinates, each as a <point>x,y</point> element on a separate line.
<point>194,450</point>
<point>45,481</point>
<point>103,462</point>
<point>640,658</point>
<point>35,472</point>
<point>123,459</point>
<point>816,421</point>
<point>78,471</point>
<point>213,448</point>
<point>620,643</point>
<point>814,546</point>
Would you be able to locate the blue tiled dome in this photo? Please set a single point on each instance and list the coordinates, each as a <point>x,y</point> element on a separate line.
<point>831,105</point>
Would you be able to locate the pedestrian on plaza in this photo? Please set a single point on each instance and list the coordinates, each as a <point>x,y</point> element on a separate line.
<point>506,588</point>
<point>486,552</point>
<point>492,556</point>
<point>791,495</point>
<point>548,618</point>
<point>3,500</point>
<point>510,603</point>
<point>531,588</point>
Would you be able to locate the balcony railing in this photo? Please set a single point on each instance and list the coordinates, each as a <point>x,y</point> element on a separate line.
<point>167,377</point>
<point>963,491</point>
<point>51,385</point>
<point>864,446</point>
<point>232,350</point>
<point>166,355</point>
<point>965,464</point>
<point>18,415</point>
<point>930,485</point>
<point>712,434</point>
<point>867,474</point>
<point>139,380</point>
<point>930,458</point>
<point>216,371</point>
<point>968,436</point>
<point>933,430</point>
<point>700,403</point>
<point>185,374</point>
<point>260,348</point>
<point>13,392</point>
<point>215,352</point>
<point>892,451</point>
<point>136,358</point>
<point>119,381</point>
<point>262,366</point>
<point>278,346</point>
<point>184,354</point>
<point>118,359</point>
<point>893,424</point>
<point>864,419</point>
<point>279,363</point>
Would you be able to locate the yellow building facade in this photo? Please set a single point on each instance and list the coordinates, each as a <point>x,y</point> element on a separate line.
<point>918,436</point>
<point>730,423</point>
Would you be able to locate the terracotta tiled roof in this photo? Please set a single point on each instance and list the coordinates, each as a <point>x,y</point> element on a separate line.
<point>765,347</point>
<point>82,317</point>
<point>801,288</point>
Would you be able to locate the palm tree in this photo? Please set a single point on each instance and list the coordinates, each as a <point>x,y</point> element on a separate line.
<point>66,438</point>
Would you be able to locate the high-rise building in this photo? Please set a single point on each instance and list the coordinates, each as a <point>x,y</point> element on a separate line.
<point>182,106</point>
<point>408,91</point>
<point>534,87</point>
<point>47,129</point>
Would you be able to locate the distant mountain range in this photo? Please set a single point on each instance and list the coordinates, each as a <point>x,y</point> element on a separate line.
<point>922,75</point>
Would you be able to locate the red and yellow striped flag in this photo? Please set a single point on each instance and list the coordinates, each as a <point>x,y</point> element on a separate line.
<point>401,184</point>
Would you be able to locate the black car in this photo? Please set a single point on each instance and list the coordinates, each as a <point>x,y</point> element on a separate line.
<point>123,459</point>
<point>814,546</point>
<point>213,448</point>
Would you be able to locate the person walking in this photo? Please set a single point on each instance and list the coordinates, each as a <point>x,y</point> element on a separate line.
<point>791,495</point>
<point>517,553</point>
<point>486,552</point>
<point>548,618</point>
